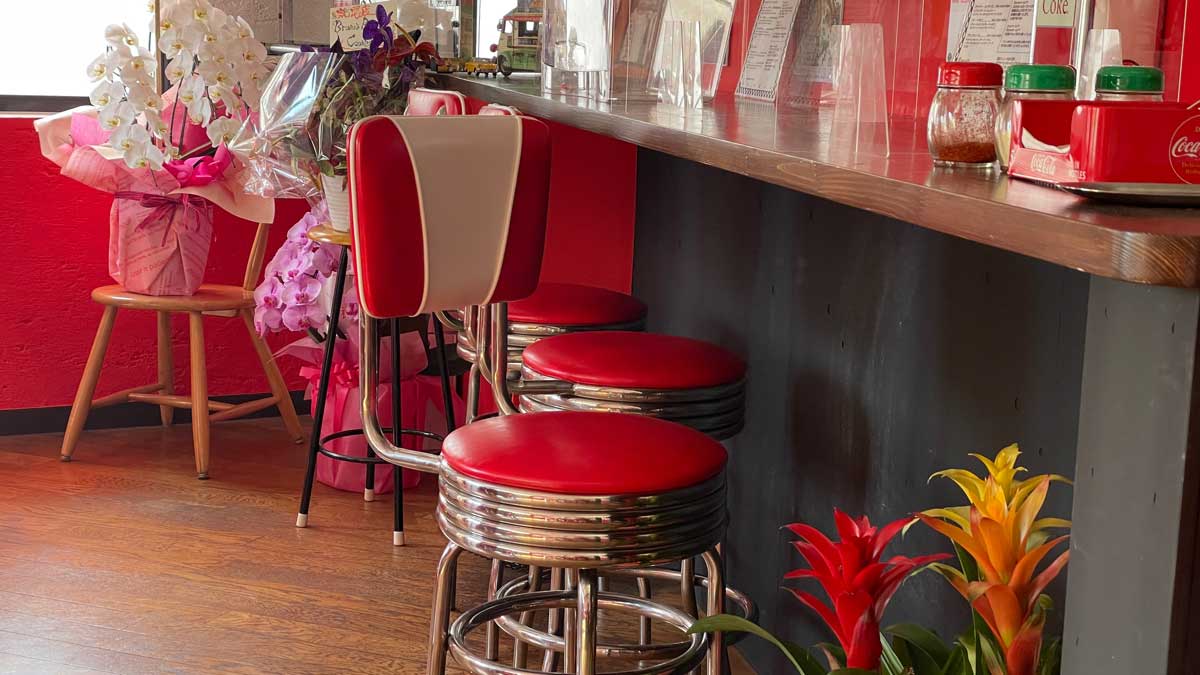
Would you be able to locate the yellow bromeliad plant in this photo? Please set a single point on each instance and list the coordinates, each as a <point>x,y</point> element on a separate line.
<point>1006,541</point>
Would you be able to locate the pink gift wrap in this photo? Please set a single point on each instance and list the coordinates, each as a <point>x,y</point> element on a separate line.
<point>158,245</point>
<point>159,229</point>
<point>421,408</point>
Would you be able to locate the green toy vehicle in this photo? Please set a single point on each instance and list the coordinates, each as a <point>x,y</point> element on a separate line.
<point>520,40</point>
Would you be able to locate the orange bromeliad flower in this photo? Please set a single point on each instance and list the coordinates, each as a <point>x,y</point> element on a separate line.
<point>1001,531</point>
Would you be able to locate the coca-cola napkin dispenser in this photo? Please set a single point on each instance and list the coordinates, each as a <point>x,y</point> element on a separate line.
<point>1107,147</point>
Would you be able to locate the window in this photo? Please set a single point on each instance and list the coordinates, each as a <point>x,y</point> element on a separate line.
<point>48,45</point>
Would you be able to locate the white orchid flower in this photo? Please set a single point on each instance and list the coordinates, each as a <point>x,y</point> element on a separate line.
<point>180,66</point>
<point>130,138</point>
<point>120,35</point>
<point>105,93</point>
<point>173,42</point>
<point>200,112</point>
<point>145,99</point>
<point>191,91</point>
<point>102,67</point>
<point>116,114</point>
<point>252,51</point>
<point>138,68</point>
<point>217,19</point>
<point>216,74</point>
<point>158,127</point>
<point>223,130</point>
<point>145,157</point>
<point>243,29</point>
<point>223,94</point>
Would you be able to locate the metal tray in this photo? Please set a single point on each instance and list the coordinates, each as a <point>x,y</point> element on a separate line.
<point>1142,194</point>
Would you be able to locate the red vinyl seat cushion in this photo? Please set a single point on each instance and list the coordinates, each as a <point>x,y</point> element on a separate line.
<point>576,305</point>
<point>584,453</point>
<point>634,360</point>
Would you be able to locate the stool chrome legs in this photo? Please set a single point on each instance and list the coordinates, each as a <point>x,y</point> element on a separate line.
<point>439,622</point>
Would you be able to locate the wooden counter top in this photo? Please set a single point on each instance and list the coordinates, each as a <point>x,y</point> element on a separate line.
<point>786,147</point>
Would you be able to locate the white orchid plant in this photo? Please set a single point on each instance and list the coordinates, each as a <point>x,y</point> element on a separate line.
<point>216,70</point>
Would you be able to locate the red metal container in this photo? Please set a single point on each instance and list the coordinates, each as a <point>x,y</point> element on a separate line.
<point>1109,148</point>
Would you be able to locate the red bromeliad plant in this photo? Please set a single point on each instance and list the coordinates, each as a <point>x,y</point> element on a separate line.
<point>859,583</point>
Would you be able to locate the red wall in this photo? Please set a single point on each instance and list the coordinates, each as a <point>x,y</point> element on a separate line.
<point>56,236</point>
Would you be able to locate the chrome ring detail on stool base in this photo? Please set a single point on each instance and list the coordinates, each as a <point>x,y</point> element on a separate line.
<point>681,661</point>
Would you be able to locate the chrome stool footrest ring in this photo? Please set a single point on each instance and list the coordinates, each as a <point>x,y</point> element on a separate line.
<point>496,610</point>
<point>740,602</point>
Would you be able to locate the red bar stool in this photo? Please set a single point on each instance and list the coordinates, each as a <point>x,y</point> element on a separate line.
<point>567,490</point>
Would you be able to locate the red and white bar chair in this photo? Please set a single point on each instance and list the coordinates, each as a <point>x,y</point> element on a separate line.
<point>567,490</point>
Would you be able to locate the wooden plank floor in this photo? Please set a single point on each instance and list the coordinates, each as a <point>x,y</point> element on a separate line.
<point>122,562</point>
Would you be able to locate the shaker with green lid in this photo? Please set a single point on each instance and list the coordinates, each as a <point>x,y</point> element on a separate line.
<point>1129,83</point>
<point>1029,82</point>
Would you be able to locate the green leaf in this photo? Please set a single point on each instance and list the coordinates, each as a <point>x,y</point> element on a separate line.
<point>921,638</point>
<point>804,662</point>
<point>992,657</point>
<point>957,664</point>
<point>1051,661</point>
<point>833,653</point>
<point>969,567</point>
<point>852,671</point>
<point>889,662</point>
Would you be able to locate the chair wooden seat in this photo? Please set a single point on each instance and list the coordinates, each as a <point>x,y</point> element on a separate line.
<point>209,298</point>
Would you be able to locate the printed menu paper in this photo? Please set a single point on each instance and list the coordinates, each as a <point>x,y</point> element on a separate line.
<point>768,47</point>
<point>997,31</point>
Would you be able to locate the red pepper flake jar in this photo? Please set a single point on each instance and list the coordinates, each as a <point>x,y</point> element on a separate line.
<point>962,120</point>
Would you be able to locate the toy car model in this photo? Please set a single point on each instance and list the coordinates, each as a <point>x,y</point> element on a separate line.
<point>480,67</point>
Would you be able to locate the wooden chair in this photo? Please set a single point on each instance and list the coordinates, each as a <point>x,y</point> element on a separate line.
<point>211,299</point>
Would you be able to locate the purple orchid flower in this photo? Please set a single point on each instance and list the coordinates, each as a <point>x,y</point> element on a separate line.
<point>302,291</point>
<point>266,295</point>
<point>303,317</point>
<point>267,320</point>
<point>379,30</point>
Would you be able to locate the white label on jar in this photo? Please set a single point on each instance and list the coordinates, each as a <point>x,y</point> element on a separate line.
<point>1056,13</point>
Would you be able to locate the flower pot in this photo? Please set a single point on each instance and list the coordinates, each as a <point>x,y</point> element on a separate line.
<point>337,198</point>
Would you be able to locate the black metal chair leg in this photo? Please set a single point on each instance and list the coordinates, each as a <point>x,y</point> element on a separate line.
<point>314,445</point>
<point>447,392</point>
<point>397,433</point>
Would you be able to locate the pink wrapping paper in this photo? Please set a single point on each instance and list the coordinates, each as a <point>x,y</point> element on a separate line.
<point>159,232</point>
<point>421,407</point>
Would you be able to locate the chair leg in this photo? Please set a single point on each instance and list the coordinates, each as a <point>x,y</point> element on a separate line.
<point>283,398</point>
<point>87,384</point>
<point>687,586</point>
<point>322,392</point>
<point>716,605</point>
<point>585,624</point>
<point>570,626</point>
<point>492,645</point>
<point>473,386</point>
<point>439,621</point>
<point>520,647</point>
<point>200,431</point>
<point>444,368</point>
<point>553,622</point>
<point>644,623</point>
<point>397,439</point>
<point>166,366</point>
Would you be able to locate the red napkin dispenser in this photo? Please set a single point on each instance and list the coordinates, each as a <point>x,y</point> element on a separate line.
<point>1105,143</point>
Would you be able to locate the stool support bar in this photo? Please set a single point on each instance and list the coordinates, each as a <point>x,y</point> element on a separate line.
<point>377,440</point>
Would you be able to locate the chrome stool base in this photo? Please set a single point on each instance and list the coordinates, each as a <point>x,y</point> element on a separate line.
<point>521,630</point>
<point>586,602</point>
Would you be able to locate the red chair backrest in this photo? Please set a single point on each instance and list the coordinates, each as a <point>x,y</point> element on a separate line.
<point>426,102</point>
<point>447,211</point>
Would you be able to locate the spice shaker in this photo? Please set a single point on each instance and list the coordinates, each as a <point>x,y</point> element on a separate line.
<point>1029,83</point>
<point>962,119</point>
<point>1129,83</point>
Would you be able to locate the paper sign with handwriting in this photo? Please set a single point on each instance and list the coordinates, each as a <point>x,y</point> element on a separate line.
<point>346,23</point>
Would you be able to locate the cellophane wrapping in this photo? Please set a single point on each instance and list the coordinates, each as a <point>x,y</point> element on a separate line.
<point>279,145</point>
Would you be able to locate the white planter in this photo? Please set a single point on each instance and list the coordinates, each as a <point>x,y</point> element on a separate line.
<point>337,198</point>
